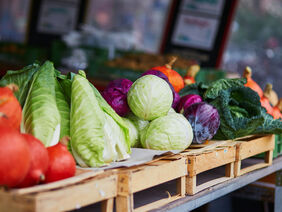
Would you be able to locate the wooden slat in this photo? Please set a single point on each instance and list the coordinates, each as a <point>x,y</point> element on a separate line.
<point>181,183</point>
<point>107,205</point>
<point>157,175</point>
<point>211,183</point>
<point>252,168</point>
<point>254,147</point>
<point>124,203</point>
<point>58,184</point>
<point>157,204</point>
<point>78,195</point>
<point>14,203</point>
<point>214,159</point>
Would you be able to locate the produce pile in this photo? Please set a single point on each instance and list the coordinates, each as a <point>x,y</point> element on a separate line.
<point>54,119</point>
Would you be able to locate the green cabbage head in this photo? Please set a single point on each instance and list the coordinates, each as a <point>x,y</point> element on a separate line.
<point>150,97</point>
<point>171,132</point>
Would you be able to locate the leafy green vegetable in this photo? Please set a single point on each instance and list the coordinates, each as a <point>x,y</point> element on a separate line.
<point>239,108</point>
<point>270,125</point>
<point>233,126</point>
<point>223,84</point>
<point>64,110</point>
<point>22,78</point>
<point>86,125</point>
<point>195,88</point>
<point>98,134</point>
<point>40,113</point>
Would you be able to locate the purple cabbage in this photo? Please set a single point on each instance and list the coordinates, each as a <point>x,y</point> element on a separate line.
<point>116,95</point>
<point>204,120</point>
<point>157,73</point>
<point>187,101</point>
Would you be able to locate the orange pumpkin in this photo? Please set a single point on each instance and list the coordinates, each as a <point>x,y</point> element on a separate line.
<point>174,78</point>
<point>276,113</point>
<point>190,74</point>
<point>265,102</point>
<point>10,108</point>
<point>250,82</point>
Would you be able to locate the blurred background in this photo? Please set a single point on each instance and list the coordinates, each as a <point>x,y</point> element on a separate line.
<point>223,36</point>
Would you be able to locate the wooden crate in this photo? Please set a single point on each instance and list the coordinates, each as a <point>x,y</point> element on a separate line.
<point>138,178</point>
<point>208,156</point>
<point>250,146</point>
<point>83,189</point>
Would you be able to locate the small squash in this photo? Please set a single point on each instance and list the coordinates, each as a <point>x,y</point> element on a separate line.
<point>273,97</point>
<point>250,82</point>
<point>191,74</point>
<point>277,109</point>
<point>265,102</point>
<point>174,78</point>
<point>10,108</point>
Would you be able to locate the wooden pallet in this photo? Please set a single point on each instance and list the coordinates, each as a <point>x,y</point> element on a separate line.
<point>138,178</point>
<point>205,157</point>
<point>250,146</point>
<point>83,189</point>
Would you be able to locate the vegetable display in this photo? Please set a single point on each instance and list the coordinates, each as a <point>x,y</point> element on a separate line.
<point>170,132</point>
<point>149,97</point>
<point>55,121</point>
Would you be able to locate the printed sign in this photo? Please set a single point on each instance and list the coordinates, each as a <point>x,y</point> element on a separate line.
<point>213,7</point>
<point>197,32</point>
<point>58,17</point>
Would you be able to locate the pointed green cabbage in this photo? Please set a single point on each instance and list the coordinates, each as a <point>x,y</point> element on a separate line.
<point>86,124</point>
<point>133,133</point>
<point>110,111</point>
<point>115,144</point>
<point>64,110</point>
<point>40,113</point>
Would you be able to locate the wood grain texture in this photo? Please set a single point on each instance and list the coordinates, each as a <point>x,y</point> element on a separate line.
<point>68,195</point>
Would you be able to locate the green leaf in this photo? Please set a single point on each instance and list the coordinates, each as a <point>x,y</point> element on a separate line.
<point>64,110</point>
<point>195,88</point>
<point>22,78</point>
<point>233,126</point>
<point>40,113</point>
<point>270,125</point>
<point>223,84</point>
